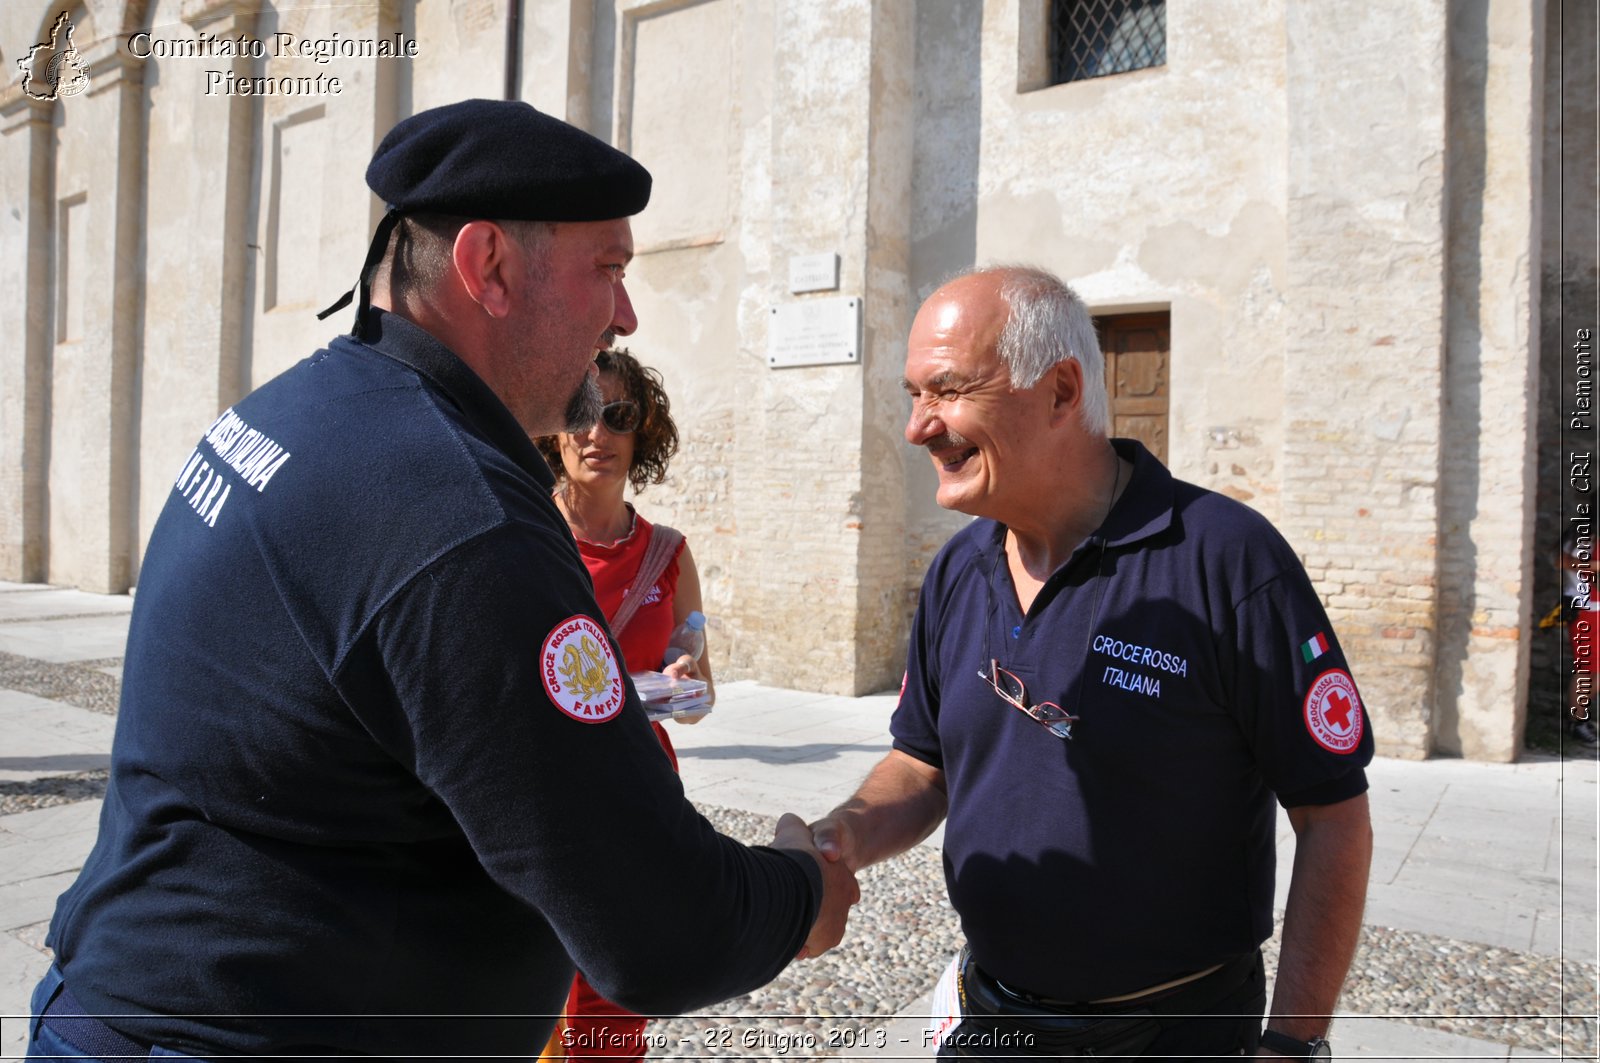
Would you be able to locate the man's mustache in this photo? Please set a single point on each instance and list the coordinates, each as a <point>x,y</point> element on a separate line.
<point>948,441</point>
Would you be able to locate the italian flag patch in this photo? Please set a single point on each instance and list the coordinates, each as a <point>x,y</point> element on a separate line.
<point>1314,647</point>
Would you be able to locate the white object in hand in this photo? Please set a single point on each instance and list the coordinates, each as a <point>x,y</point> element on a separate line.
<point>688,638</point>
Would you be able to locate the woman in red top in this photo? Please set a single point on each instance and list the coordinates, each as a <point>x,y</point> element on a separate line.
<point>631,445</point>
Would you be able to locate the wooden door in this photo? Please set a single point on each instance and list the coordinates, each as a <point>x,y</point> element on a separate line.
<point>1138,377</point>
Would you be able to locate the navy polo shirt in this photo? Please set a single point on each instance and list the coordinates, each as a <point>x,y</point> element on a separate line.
<point>377,765</point>
<point>1187,639</point>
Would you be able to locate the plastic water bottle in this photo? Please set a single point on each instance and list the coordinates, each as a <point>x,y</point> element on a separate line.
<point>688,637</point>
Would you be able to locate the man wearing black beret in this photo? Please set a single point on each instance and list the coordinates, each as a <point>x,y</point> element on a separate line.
<point>379,777</point>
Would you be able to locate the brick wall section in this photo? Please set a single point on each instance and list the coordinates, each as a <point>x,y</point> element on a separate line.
<point>1363,372</point>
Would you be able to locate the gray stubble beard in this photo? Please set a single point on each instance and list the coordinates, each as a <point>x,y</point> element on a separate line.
<point>583,409</point>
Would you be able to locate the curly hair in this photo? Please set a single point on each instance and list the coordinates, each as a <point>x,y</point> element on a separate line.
<point>655,441</point>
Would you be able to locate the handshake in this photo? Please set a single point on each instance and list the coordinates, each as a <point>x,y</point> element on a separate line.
<point>898,805</point>
<point>826,841</point>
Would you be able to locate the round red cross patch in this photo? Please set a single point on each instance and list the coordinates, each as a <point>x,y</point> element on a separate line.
<point>580,672</point>
<point>1333,711</point>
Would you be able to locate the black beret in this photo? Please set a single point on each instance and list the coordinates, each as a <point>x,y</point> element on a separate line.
<point>503,159</point>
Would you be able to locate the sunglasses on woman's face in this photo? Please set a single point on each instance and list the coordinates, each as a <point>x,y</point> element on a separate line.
<point>620,417</point>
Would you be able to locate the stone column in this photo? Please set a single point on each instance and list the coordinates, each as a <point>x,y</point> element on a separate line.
<point>557,56</point>
<point>1488,490</point>
<point>314,213</point>
<point>1364,366</point>
<point>99,186</point>
<point>232,134</point>
<point>822,528</point>
<point>884,598</point>
<point>27,179</point>
<point>198,232</point>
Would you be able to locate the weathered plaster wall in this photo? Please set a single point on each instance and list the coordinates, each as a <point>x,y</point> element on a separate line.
<point>815,523</point>
<point>557,57</point>
<point>461,52</point>
<point>689,291</point>
<point>884,595</point>
<point>275,206</point>
<point>1160,188</point>
<point>789,481</point>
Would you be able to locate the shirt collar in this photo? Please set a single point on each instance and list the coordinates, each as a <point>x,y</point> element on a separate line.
<point>1144,510</point>
<point>409,344</point>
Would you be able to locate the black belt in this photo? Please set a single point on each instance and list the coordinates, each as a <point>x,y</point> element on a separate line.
<point>1000,1022</point>
<point>1186,998</point>
<point>88,1034</point>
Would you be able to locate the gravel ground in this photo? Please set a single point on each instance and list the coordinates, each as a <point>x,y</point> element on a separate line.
<point>904,932</point>
<point>51,790</point>
<point>76,684</point>
<point>80,684</point>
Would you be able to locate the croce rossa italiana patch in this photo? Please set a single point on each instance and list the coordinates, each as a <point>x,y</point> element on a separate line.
<point>1333,711</point>
<point>580,671</point>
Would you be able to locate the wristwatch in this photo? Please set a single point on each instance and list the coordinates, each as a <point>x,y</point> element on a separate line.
<point>1294,1048</point>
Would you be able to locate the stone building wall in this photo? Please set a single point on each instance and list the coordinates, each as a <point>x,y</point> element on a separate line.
<point>1160,189</point>
<point>787,485</point>
<point>1341,207</point>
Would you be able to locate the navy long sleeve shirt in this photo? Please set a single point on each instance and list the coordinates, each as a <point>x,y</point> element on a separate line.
<point>378,770</point>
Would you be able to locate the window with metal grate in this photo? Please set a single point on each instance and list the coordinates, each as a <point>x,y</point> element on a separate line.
<point>1093,38</point>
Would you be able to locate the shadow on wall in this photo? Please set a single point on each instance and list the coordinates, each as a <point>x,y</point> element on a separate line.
<point>944,173</point>
<point>944,216</point>
<point>1460,485</point>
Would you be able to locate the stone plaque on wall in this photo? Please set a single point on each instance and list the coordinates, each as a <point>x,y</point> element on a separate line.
<point>815,332</point>
<point>814,273</point>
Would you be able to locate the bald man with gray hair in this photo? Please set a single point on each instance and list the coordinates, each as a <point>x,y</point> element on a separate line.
<point>1113,677</point>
